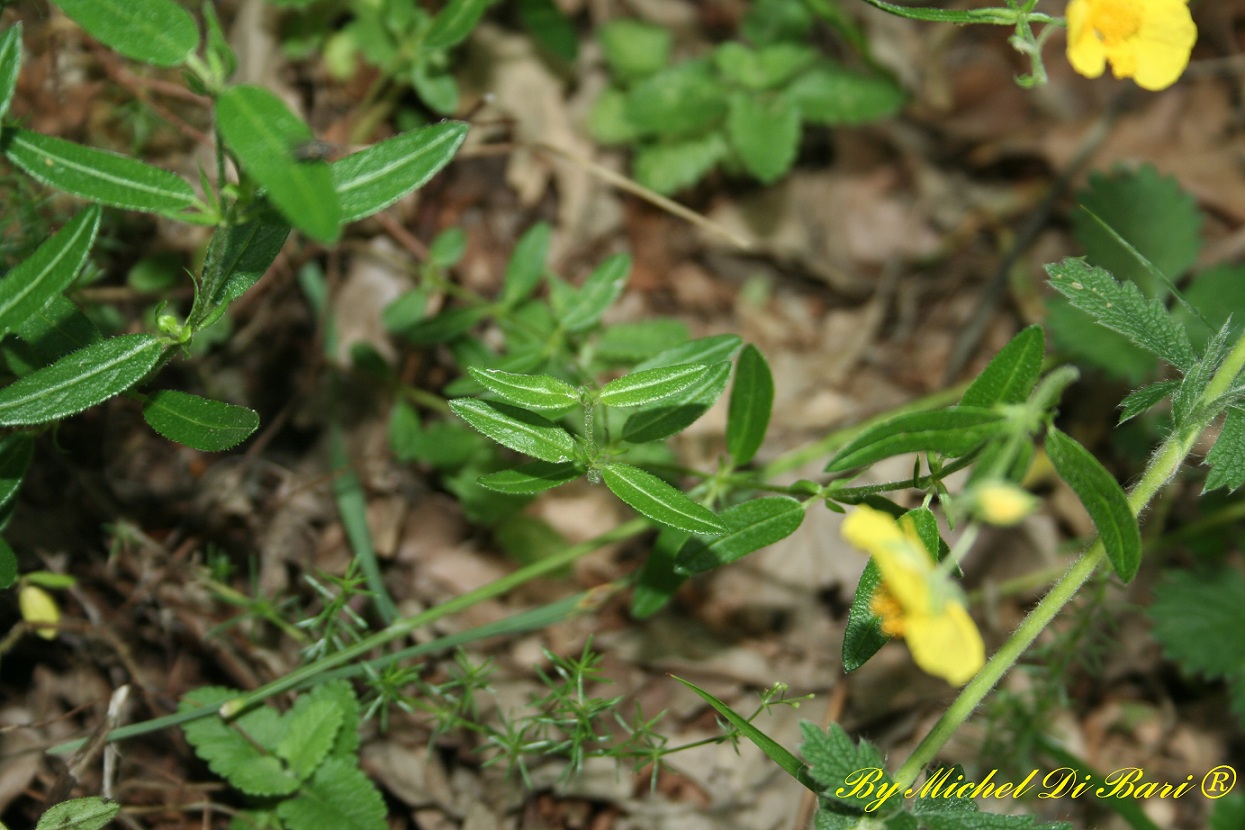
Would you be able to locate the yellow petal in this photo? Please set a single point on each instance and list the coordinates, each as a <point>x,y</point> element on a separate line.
<point>1164,44</point>
<point>947,644</point>
<point>901,558</point>
<point>1002,503</point>
<point>38,606</point>
<point>1085,51</point>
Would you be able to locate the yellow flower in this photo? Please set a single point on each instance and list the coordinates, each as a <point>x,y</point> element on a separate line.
<point>916,600</point>
<point>1002,503</point>
<point>1146,40</point>
<point>40,610</point>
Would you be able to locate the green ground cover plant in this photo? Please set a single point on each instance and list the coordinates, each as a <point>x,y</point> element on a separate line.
<point>547,390</point>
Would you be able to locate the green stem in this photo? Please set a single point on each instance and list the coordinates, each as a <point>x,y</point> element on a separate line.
<point>1165,463</point>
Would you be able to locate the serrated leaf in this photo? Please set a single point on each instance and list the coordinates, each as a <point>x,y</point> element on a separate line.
<point>342,696</point>
<point>657,581</point>
<point>673,165</point>
<point>679,411</point>
<point>603,286</point>
<point>199,423</point>
<point>1218,294</point>
<point>454,23</point>
<point>526,265</point>
<point>835,763</point>
<point>773,750</point>
<point>531,478</point>
<point>90,813</point>
<point>310,731</point>
<point>158,32</point>
<point>10,64</point>
<point>1090,344</point>
<point>654,499</point>
<point>1104,500</point>
<point>1010,377</point>
<point>749,527</point>
<point>227,750</point>
<point>1149,212</point>
<point>528,391</point>
<point>1145,398</point>
<point>954,431</point>
<point>262,132</point>
<point>1121,307</point>
<point>16,450</point>
<point>751,403</point>
<point>651,385</point>
<point>833,95</point>
<point>96,175</point>
<point>764,134</point>
<point>338,794</point>
<point>374,178</point>
<point>1227,457</point>
<point>1187,401</point>
<point>634,49</point>
<point>518,429</point>
<point>79,380</point>
<point>48,271</point>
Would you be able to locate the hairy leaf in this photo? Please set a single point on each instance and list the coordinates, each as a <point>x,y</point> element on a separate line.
<point>310,731</point>
<point>1146,398</point>
<point>680,410</point>
<point>338,794</point>
<point>749,527</point>
<point>48,271</point>
<point>764,134</point>
<point>526,265</point>
<point>656,500</point>
<point>1011,376</point>
<point>751,403</point>
<point>658,580</point>
<point>528,391</point>
<point>90,813</point>
<point>10,64</point>
<point>233,750</point>
<point>603,286</point>
<point>1227,457</point>
<point>374,178</point>
<point>200,423</point>
<point>158,32</point>
<point>954,431</point>
<point>530,478</point>
<point>651,385</point>
<point>518,429</point>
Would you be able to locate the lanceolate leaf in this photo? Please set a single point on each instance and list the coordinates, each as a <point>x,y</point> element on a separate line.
<point>262,132</point>
<point>207,425</point>
<point>599,291</point>
<point>863,635</point>
<point>237,256</point>
<point>680,410</point>
<point>90,813</point>
<point>15,453</point>
<point>10,64</point>
<point>79,380</point>
<point>517,429</point>
<point>1012,374</point>
<point>373,179</point>
<point>749,527</point>
<point>528,391</point>
<point>651,384</point>
<point>534,477</point>
<point>1146,397</point>
<point>954,431</point>
<point>1103,499</point>
<point>453,23</point>
<point>655,499</point>
<point>713,349</point>
<point>51,333</point>
<point>752,401</point>
<point>96,175</point>
<point>526,264</point>
<point>158,32</point>
<point>48,271</point>
<point>657,580</point>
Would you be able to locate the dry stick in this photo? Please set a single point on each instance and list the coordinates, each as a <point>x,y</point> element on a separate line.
<point>974,329</point>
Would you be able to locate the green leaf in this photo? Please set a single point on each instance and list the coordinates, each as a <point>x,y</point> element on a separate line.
<point>995,16</point>
<point>654,499</point>
<point>1149,212</point>
<point>337,795</point>
<point>237,256</point>
<point>436,88</point>
<point>96,175</point>
<point>90,813</point>
<point>550,28</point>
<point>1145,398</point>
<point>16,451</point>
<point>1227,457</point>
<point>48,271</point>
<point>528,391</point>
<point>634,49</point>
<point>446,326</point>
<point>773,750</point>
<point>199,423</point>
<point>1228,813</point>
<point>10,64</point>
<point>158,32</point>
<point>1077,333</point>
<point>630,343</point>
<point>454,23</point>
<point>1192,612</point>
<point>1217,294</point>
<point>765,134</point>
<point>1103,498</point>
<point>518,429</point>
<point>232,750</point>
<point>834,95</point>
<point>310,732</point>
<point>341,694</point>
<point>262,132</point>
<point>607,120</point>
<point>49,334</point>
<point>8,565</point>
<point>764,68</point>
<point>658,580</point>
<point>1013,373</point>
<point>671,166</point>
<point>680,102</point>
<point>749,527</point>
<point>863,636</point>
<point>534,477</point>
<point>835,763</point>
<point>652,385</point>
<point>713,349</point>
<point>954,431</point>
<point>526,265</point>
<point>603,286</point>
<point>217,51</point>
<point>79,380</point>
<point>751,403</point>
<point>373,179</point>
<point>679,411</point>
<point>1121,307</point>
